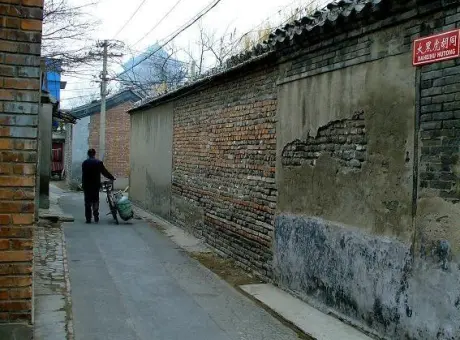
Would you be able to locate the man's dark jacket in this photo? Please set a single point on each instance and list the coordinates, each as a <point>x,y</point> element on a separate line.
<point>92,169</point>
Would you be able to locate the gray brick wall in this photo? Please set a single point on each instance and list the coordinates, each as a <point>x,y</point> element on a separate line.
<point>440,116</point>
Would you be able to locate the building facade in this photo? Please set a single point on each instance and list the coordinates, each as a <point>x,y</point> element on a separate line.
<point>86,135</point>
<point>325,162</point>
<point>20,37</point>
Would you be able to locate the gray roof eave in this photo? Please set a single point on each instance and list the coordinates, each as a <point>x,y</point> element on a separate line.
<point>113,101</point>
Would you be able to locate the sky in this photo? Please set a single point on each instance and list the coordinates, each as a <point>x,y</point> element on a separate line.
<point>244,15</point>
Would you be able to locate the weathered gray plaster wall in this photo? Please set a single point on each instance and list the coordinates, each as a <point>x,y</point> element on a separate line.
<point>345,238</point>
<point>344,231</point>
<point>80,133</point>
<point>369,278</point>
<point>378,197</point>
<point>151,159</point>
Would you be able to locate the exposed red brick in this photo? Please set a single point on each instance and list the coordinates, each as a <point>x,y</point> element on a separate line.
<point>22,84</point>
<point>6,168</point>
<point>6,144</point>
<point>23,219</point>
<point>8,46</point>
<point>24,169</point>
<point>16,194</point>
<point>15,256</point>
<point>36,3</point>
<point>118,126</point>
<point>17,207</point>
<point>15,305</point>
<point>9,22</point>
<point>4,244</point>
<point>21,244</point>
<point>31,25</point>
<point>13,181</point>
<point>15,281</point>
<point>21,293</point>
<point>15,269</point>
<point>4,295</point>
<point>24,317</point>
<point>5,219</point>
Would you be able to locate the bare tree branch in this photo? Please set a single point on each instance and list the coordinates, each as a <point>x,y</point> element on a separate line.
<point>65,26</point>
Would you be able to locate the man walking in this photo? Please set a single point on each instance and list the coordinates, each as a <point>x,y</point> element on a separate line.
<point>92,170</point>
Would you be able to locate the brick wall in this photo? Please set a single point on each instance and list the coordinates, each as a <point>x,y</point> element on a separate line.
<point>224,150</point>
<point>344,140</point>
<point>438,87</point>
<point>116,139</point>
<point>20,36</point>
<point>440,118</point>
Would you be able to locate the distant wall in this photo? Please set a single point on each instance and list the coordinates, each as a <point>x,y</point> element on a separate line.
<point>151,159</point>
<point>117,140</point>
<point>80,133</point>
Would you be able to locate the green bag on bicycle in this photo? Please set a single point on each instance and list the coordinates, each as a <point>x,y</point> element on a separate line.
<point>125,209</point>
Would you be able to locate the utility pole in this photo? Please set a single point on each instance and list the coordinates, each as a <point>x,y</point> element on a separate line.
<point>103,99</point>
<point>105,45</point>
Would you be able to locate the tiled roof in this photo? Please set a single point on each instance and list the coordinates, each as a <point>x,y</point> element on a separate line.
<point>327,18</point>
<point>337,11</point>
<point>111,102</point>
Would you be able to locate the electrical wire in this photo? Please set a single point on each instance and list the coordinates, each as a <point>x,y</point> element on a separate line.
<point>79,97</point>
<point>131,18</point>
<point>201,14</point>
<point>158,23</point>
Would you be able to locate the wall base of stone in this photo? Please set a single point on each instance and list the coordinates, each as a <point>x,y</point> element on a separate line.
<point>16,331</point>
<point>372,279</point>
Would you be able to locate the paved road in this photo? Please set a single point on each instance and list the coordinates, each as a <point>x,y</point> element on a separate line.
<point>132,282</point>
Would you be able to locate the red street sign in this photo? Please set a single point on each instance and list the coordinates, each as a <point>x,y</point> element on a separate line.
<point>443,46</point>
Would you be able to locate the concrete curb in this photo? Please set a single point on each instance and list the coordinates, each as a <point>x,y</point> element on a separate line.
<point>179,236</point>
<point>69,323</point>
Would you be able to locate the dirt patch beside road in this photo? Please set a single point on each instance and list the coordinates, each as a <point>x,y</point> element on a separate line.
<point>227,269</point>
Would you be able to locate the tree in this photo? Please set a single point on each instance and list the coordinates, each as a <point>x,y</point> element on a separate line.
<point>66,29</point>
<point>152,71</point>
<point>210,51</point>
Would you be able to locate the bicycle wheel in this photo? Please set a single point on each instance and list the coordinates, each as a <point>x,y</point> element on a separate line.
<point>113,209</point>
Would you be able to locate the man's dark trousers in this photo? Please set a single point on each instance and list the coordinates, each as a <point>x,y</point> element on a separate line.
<point>92,205</point>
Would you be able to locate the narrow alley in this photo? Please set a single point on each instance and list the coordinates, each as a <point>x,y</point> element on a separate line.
<point>130,281</point>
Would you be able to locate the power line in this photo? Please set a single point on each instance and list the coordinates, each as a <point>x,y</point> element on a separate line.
<point>158,23</point>
<point>131,18</point>
<point>201,14</point>
<point>77,90</point>
<point>79,97</point>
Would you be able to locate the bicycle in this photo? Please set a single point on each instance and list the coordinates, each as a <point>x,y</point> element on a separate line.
<point>112,198</point>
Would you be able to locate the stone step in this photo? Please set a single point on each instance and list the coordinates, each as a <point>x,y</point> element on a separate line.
<point>311,321</point>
